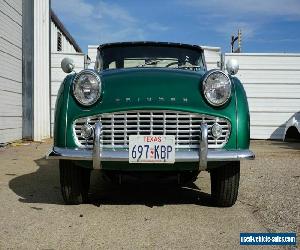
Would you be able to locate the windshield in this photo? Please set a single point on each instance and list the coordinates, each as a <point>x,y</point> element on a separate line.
<point>151,56</point>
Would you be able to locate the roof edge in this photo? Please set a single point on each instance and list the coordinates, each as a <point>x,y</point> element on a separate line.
<point>63,29</point>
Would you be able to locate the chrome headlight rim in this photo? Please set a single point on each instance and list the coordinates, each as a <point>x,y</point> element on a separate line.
<point>75,81</point>
<point>207,75</point>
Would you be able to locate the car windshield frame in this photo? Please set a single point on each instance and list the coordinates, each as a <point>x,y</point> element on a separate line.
<point>184,56</point>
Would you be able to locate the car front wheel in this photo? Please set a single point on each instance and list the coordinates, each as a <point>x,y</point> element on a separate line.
<point>225,184</point>
<point>74,182</point>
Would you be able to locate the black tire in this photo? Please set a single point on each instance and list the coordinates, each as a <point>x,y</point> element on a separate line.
<point>74,182</point>
<point>225,184</point>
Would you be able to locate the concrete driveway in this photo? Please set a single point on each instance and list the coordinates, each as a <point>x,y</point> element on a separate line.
<point>33,216</point>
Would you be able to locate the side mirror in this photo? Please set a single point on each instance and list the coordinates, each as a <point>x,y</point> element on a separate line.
<point>232,66</point>
<point>67,65</point>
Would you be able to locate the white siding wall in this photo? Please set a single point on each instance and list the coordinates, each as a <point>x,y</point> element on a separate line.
<point>66,45</point>
<point>10,70</point>
<point>57,75</point>
<point>41,121</point>
<point>92,53</point>
<point>212,57</point>
<point>272,84</point>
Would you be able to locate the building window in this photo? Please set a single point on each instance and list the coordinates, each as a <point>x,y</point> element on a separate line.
<point>59,41</point>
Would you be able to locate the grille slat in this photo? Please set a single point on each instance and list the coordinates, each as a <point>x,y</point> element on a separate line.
<point>183,125</point>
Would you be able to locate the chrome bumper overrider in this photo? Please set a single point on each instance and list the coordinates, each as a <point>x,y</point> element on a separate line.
<point>201,155</point>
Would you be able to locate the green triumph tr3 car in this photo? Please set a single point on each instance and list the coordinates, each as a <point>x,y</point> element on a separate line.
<point>151,109</point>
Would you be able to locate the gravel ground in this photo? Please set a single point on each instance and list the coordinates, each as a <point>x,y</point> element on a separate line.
<point>135,216</point>
<point>271,185</point>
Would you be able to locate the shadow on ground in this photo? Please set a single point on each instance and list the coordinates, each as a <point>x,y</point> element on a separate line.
<point>294,145</point>
<point>148,194</point>
<point>43,186</point>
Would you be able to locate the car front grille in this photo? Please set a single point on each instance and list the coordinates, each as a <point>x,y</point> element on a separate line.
<point>118,126</point>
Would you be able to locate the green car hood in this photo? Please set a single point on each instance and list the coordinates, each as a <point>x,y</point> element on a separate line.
<point>150,88</point>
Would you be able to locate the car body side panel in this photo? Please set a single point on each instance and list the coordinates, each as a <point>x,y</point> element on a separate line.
<point>242,116</point>
<point>61,115</point>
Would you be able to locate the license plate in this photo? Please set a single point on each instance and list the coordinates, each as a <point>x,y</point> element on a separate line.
<point>151,149</point>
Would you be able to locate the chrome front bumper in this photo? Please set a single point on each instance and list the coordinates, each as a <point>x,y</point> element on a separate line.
<point>97,155</point>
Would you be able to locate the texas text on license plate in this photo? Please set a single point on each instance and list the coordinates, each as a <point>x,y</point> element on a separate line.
<point>151,149</point>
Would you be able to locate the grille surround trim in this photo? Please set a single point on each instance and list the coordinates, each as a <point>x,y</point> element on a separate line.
<point>184,125</point>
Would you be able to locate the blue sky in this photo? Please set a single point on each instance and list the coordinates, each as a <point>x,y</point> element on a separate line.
<point>267,25</point>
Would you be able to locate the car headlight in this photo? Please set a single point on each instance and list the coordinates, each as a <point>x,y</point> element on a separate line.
<point>87,87</point>
<point>216,87</point>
